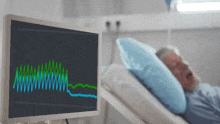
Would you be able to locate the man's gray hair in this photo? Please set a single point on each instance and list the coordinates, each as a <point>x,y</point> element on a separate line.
<point>164,51</point>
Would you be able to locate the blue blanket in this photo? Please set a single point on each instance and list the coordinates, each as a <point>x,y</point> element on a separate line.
<point>203,105</point>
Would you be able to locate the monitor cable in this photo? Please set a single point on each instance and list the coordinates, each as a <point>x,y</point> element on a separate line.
<point>67,121</point>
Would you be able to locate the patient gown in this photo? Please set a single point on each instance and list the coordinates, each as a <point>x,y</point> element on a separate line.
<point>203,105</point>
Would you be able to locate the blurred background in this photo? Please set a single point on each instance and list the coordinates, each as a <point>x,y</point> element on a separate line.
<point>153,22</point>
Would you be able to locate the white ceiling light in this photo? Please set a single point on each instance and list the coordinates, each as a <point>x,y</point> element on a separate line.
<point>193,7</point>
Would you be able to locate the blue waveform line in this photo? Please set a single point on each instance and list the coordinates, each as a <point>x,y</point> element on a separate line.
<point>82,95</point>
<point>51,80</point>
<point>33,83</point>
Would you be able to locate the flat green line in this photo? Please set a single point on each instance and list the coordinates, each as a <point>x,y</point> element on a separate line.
<point>79,84</point>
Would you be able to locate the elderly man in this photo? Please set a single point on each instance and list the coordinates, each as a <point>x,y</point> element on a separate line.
<point>203,100</point>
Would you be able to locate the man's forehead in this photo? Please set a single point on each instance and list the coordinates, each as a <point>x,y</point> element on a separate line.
<point>170,58</point>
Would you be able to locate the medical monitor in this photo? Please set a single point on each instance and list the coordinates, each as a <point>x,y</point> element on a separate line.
<point>49,71</point>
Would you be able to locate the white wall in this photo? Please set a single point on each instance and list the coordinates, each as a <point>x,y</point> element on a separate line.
<point>150,22</point>
<point>3,9</point>
<point>91,8</point>
<point>41,9</point>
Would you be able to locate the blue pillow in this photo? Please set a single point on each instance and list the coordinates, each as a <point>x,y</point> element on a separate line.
<point>142,62</point>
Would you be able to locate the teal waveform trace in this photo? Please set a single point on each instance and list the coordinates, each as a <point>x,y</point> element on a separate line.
<point>82,95</point>
<point>49,81</point>
<point>40,80</point>
<point>49,75</point>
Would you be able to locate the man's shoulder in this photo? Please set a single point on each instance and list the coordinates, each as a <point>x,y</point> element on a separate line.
<point>200,104</point>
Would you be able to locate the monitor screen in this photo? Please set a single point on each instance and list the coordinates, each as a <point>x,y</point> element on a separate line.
<point>52,70</point>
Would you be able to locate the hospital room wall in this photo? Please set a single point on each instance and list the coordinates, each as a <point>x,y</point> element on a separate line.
<point>200,47</point>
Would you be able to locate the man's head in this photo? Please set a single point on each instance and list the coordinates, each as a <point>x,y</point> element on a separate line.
<point>170,56</point>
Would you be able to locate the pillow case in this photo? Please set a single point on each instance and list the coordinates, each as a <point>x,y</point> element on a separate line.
<point>142,62</point>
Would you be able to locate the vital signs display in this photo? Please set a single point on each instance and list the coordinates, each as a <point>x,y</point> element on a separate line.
<point>52,70</point>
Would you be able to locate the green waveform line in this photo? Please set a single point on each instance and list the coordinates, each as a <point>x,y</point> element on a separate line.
<point>27,73</point>
<point>51,68</point>
<point>79,84</point>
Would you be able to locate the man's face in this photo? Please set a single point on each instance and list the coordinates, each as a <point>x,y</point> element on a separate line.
<point>179,70</point>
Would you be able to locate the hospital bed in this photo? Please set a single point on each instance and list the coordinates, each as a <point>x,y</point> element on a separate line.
<point>129,97</point>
